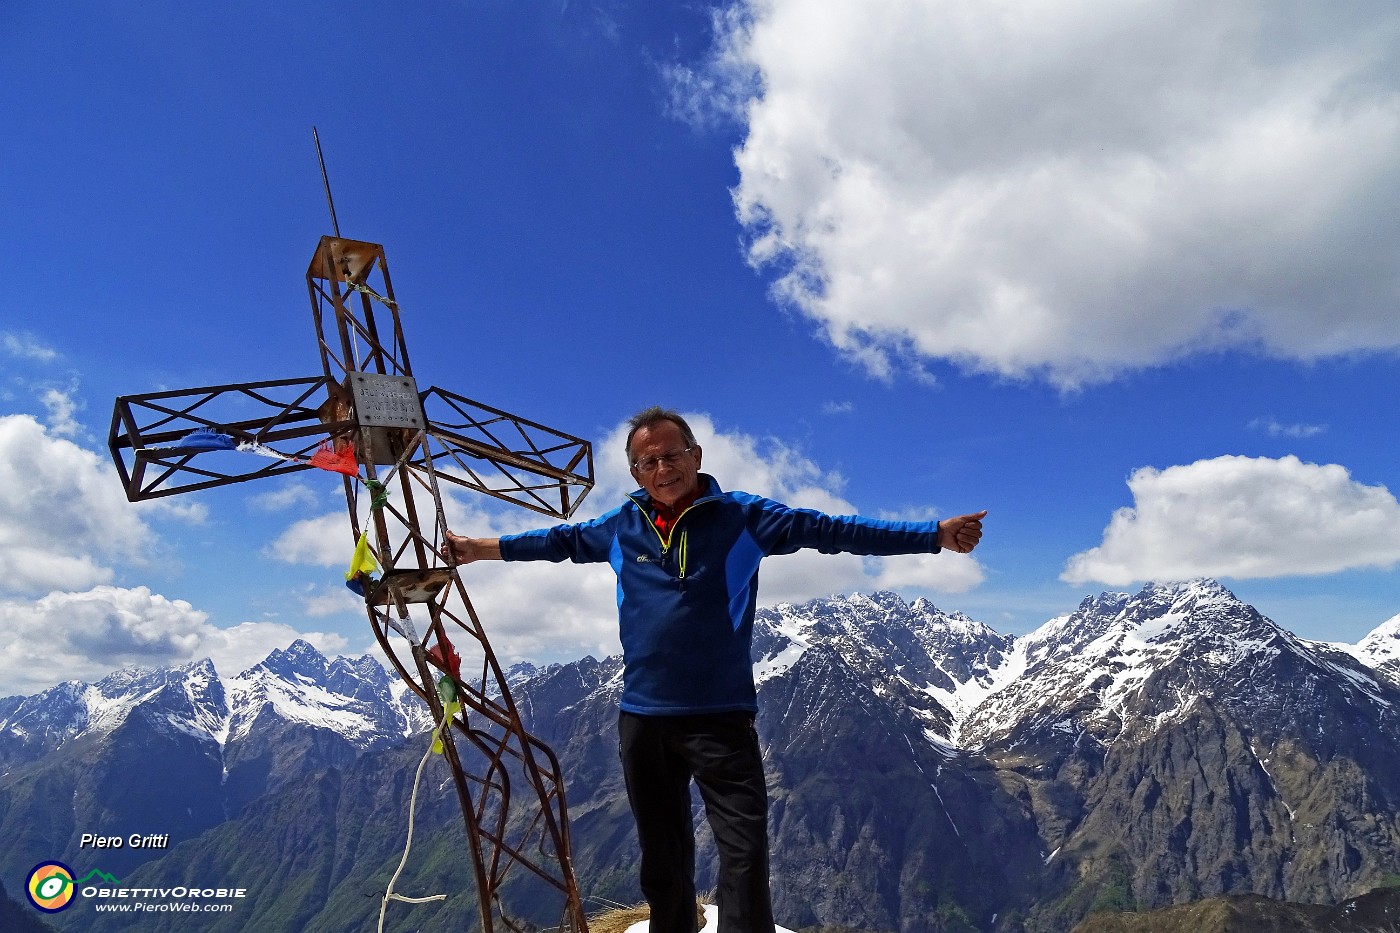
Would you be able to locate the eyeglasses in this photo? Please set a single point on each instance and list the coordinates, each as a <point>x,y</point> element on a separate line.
<point>649,464</point>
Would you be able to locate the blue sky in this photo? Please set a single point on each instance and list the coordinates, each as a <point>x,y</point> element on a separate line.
<point>1125,277</point>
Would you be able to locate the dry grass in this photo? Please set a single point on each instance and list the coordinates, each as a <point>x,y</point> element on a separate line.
<point>617,921</point>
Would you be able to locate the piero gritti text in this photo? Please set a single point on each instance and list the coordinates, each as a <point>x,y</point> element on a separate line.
<point>134,841</point>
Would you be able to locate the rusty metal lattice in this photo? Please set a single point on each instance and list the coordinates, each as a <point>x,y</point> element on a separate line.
<point>508,782</point>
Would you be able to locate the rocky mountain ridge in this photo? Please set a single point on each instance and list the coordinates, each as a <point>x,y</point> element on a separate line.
<point>926,773</point>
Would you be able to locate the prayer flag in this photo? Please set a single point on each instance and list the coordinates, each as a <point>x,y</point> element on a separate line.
<point>363,561</point>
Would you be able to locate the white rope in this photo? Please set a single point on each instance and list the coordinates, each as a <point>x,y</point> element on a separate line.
<point>389,894</point>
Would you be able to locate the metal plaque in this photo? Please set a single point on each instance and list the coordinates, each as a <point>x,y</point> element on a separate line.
<point>386,401</point>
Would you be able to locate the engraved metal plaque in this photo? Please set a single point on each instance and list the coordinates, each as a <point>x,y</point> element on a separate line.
<point>386,401</point>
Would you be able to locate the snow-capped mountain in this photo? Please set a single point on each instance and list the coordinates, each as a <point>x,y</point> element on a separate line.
<point>1123,663</point>
<point>940,665</point>
<point>925,772</point>
<point>353,698</point>
<point>189,699</point>
<point>177,750</point>
<point>1380,650</point>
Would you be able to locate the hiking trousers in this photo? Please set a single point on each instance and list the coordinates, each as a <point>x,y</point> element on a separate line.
<point>660,757</point>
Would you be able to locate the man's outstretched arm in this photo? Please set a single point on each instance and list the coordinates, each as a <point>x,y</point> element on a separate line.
<point>459,549</point>
<point>961,534</point>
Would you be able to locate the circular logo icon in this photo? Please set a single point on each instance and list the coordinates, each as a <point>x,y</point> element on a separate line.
<point>50,886</point>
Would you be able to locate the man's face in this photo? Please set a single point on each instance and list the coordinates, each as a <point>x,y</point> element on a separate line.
<point>669,482</point>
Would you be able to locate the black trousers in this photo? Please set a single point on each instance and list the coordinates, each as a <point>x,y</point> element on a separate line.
<point>660,756</point>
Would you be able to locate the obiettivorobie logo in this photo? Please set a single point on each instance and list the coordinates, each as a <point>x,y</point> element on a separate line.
<point>50,886</point>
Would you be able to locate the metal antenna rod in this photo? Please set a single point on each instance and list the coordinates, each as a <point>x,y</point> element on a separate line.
<point>335,224</point>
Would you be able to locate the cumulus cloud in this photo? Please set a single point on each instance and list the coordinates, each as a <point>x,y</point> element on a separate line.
<point>320,541</point>
<point>1245,518</point>
<point>1068,189</point>
<point>63,517</point>
<point>86,635</point>
<point>62,406</point>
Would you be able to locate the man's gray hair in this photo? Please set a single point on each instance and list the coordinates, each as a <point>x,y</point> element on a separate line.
<point>650,417</point>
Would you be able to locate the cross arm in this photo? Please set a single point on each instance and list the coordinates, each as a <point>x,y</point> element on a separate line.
<point>505,456</point>
<point>294,414</point>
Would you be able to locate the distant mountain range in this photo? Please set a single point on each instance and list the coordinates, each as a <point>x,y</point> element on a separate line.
<point>926,773</point>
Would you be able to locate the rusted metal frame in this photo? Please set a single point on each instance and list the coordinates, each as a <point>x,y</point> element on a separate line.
<point>516,486</point>
<point>502,716</point>
<point>366,337</point>
<point>122,418</point>
<point>532,770</point>
<point>496,784</point>
<point>584,453</point>
<point>319,297</point>
<point>175,462</point>
<point>425,678</point>
<point>494,800</point>
<point>376,360</point>
<point>452,398</point>
<point>254,430</point>
<point>137,429</point>
<point>388,362</point>
<point>518,459</point>
<point>474,422</point>
<point>344,324</point>
<point>139,487</point>
<point>449,436</point>
<point>533,448</point>
<point>425,548</point>
<point>173,414</point>
<point>150,490</point>
<point>400,342</point>
<point>423,687</point>
<point>459,780</point>
<point>536,460</point>
<point>494,748</point>
<point>488,868</point>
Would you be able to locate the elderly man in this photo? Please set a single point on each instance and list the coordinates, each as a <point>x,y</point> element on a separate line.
<point>686,554</point>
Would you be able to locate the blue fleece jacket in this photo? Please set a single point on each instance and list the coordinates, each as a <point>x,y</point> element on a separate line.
<point>686,601</point>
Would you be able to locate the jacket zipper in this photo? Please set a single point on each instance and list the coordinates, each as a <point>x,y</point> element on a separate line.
<point>684,544</point>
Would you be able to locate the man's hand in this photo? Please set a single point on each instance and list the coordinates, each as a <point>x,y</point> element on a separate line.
<point>459,549</point>
<point>961,534</point>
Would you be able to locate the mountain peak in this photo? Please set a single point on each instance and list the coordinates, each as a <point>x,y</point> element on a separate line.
<point>300,659</point>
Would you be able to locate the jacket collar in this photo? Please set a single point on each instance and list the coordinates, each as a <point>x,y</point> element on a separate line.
<point>708,484</point>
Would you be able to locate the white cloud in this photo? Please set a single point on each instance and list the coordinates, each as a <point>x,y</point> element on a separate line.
<point>26,346</point>
<point>331,601</point>
<point>946,572</point>
<point>62,406</point>
<point>323,541</point>
<point>1072,188</point>
<point>286,497</point>
<point>86,635</point>
<point>1275,429</point>
<point>63,517</point>
<point>1245,518</point>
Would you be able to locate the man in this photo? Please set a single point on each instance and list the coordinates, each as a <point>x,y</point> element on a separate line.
<point>686,555</point>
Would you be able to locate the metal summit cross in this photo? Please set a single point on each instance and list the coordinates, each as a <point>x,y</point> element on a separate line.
<point>365,410</point>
